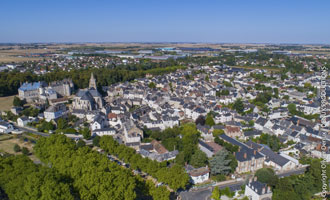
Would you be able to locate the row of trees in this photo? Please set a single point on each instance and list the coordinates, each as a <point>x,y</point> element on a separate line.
<point>20,178</point>
<point>174,176</point>
<point>92,175</point>
<point>11,81</point>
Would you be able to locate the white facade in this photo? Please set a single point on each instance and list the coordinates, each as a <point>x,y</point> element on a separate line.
<point>6,127</point>
<point>200,179</point>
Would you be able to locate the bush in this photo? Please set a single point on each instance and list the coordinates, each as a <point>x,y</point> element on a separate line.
<point>25,151</point>
<point>17,148</point>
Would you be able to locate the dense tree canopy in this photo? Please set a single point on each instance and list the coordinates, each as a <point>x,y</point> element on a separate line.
<point>11,81</point>
<point>21,179</point>
<point>174,176</point>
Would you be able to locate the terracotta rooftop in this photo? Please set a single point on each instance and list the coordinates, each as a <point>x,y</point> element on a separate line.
<point>159,147</point>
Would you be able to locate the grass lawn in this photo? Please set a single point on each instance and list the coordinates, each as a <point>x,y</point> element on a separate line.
<point>8,146</point>
<point>6,103</point>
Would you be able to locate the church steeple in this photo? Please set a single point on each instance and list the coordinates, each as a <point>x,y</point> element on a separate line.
<point>92,82</point>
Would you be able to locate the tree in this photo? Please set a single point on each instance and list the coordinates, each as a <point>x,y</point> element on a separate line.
<point>292,108</point>
<point>199,159</point>
<point>251,123</point>
<point>96,141</point>
<point>86,133</point>
<point>267,175</point>
<point>152,85</point>
<point>219,164</point>
<point>25,151</point>
<point>17,148</point>
<point>216,194</point>
<point>81,143</point>
<point>61,123</point>
<point>200,120</point>
<point>218,132</point>
<point>18,102</point>
<point>209,120</point>
<point>238,106</point>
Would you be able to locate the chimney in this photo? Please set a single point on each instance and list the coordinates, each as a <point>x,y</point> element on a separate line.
<point>250,180</point>
<point>263,190</point>
<point>298,122</point>
<point>255,152</point>
<point>268,189</point>
<point>255,178</point>
<point>239,149</point>
<point>234,153</point>
<point>245,155</point>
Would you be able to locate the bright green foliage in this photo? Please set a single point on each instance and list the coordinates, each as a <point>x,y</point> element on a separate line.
<point>61,123</point>
<point>33,112</point>
<point>199,159</point>
<point>226,191</point>
<point>94,176</point>
<point>45,126</point>
<point>270,140</point>
<point>85,132</point>
<point>174,176</point>
<point>22,179</point>
<point>209,120</point>
<point>218,132</point>
<point>227,145</point>
<point>216,193</point>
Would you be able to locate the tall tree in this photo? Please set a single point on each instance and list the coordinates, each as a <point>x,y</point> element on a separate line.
<point>238,105</point>
<point>199,159</point>
<point>219,164</point>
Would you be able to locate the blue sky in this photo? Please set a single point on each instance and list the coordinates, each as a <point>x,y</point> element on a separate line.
<point>233,21</point>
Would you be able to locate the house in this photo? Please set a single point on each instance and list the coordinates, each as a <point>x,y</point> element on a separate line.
<point>55,111</point>
<point>209,148</point>
<point>132,134</point>
<point>23,121</point>
<point>263,124</point>
<point>104,131</point>
<point>98,123</point>
<point>252,133</point>
<point>6,127</point>
<point>233,131</point>
<point>256,190</point>
<point>272,159</point>
<point>205,132</point>
<point>198,175</point>
<point>30,91</point>
<point>247,158</point>
<point>16,110</point>
<point>156,151</point>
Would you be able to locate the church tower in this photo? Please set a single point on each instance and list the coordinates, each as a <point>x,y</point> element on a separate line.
<point>92,82</point>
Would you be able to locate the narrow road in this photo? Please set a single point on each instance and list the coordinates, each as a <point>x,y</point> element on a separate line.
<point>31,130</point>
<point>205,193</point>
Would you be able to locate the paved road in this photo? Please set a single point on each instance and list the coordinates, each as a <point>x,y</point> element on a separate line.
<point>205,193</point>
<point>31,130</point>
<point>291,172</point>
